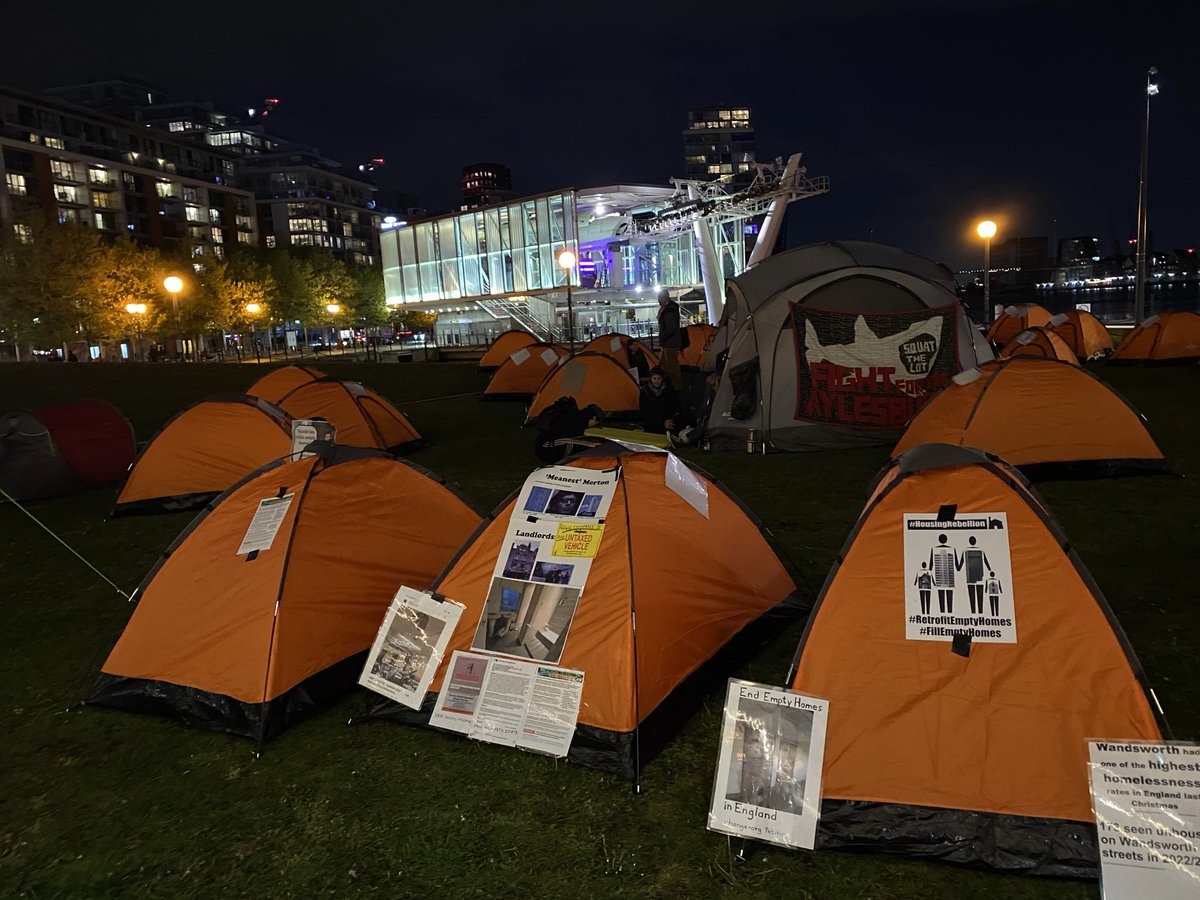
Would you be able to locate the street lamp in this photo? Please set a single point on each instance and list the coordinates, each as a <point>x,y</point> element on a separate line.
<point>174,285</point>
<point>566,262</point>
<point>137,310</point>
<point>252,310</point>
<point>333,309</point>
<point>987,230</point>
<point>1143,231</point>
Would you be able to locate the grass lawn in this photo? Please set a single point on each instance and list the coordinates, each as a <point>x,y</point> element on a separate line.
<point>98,803</point>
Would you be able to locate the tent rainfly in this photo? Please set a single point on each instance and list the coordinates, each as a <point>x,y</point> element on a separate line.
<point>966,749</point>
<point>589,378</point>
<point>1169,337</point>
<point>362,417</point>
<point>699,337</point>
<point>1084,333</point>
<point>61,449</point>
<point>523,372</point>
<point>697,584</point>
<point>1014,319</point>
<point>1041,343</point>
<point>631,353</point>
<point>504,346</point>
<point>276,385</point>
<point>241,639</point>
<point>1049,418</point>
<point>202,451</point>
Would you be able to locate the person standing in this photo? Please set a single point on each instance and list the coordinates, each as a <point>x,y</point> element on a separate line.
<point>975,562</point>
<point>672,338</point>
<point>924,583</point>
<point>992,587</point>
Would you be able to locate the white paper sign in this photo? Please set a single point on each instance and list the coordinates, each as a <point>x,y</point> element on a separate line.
<point>266,523</point>
<point>553,535</point>
<point>1147,802</point>
<point>958,578</point>
<point>768,783</point>
<point>683,481</point>
<point>510,702</point>
<point>549,357</point>
<point>305,431</point>
<point>409,646</point>
<point>615,344</point>
<point>519,357</point>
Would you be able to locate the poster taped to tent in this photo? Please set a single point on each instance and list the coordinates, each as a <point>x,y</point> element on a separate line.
<point>510,702</point>
<point>768,781</point>
<point>683,481</point>
<point>409,646</point>
<point>305,431</point>
<point>1146,798</point>
<point>958,577</point>
<point>266,523</point>
<point>553,534</point>
<point>871,370</point>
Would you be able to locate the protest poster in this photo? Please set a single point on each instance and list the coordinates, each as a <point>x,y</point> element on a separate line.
<point>305,431</point>
<point>958,577</point>
<point>553,535</point>
<point>268,518</point>
<point>768,781</point>
<point>871,370</point>
<point>514,703</point>
<point>1146,798</point>
<point>409,646</point>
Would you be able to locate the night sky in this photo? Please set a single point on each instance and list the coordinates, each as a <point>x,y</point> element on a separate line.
<point>924,119</point>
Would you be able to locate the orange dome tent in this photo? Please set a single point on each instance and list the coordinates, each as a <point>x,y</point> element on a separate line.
<point>628,351</point>
<point>1047,417</point>
<point>699,338</point>
<point>697,582</point>
<point>1041,343</point>
<point>589,378</point>
<point>1084,333</point>
<point>967,750</point>
<point>504,346</point>
<point>362,417</point>
<point>1015,319</point>
<point>1165,338</point>
<point>276,385</point>
<point>524,371</point>
<point>241,641</point>
<point>202,451</point>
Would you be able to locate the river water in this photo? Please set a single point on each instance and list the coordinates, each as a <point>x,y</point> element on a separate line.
<point>1113,306</point>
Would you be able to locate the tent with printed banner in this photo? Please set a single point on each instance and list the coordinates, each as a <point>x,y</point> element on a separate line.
<point>504,346</point>
<point>521,375</point>
<point>239,628</point>
<point>1084,334</point>
<point>631,353</point>
<point>49,451</point>
<point>836,345</point>
<point>1041,343</point>
<point>202,451</point>
<point>698,583</point>
<point>960,729</point>
<point>1049,418</point>
<point>277,384</point>
<point>1169,337</point>
<point>362,417</point>
<point>589,378</point>
<point>699,337</point>
<point>1014,319</point>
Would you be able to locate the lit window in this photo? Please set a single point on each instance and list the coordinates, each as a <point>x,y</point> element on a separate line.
<point>68,215</point>
<point>99,176</point>
<point>22,233</point>
<point>65,193</point>
<point>270,242</point>
<point>16,184</point>
<point>166,190</point>
<point>55,143</point>
<point>101,200</point>
<point>61,169</point>
<point>219,252</point>
<point>247,238</point>
<point>192,213</point>
<point>217,236</point>
<point>177,126</point>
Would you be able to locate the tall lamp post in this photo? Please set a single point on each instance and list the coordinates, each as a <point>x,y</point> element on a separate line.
<point>1143,230</point>
<point>137,310</point>
<point>173,285</point>
<point>566,262</point>
<point>333,309</point>
<point>987,230</point>
<point>252,310</point>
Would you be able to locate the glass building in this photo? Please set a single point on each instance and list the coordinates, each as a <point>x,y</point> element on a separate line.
<point>482,269</point>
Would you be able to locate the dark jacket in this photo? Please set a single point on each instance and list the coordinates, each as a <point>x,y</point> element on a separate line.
<point>657,407</point>
<point>670,334</point>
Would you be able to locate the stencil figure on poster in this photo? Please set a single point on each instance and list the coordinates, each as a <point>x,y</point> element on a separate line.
<point>975,563</point>
<point>993,590</point>
<point>944,562</point>
<point>924,583</point>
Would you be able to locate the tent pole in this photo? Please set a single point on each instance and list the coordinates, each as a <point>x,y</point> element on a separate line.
<point>637,710</point>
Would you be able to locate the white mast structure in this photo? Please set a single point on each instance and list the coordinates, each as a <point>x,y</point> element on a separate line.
<point>698,205</point>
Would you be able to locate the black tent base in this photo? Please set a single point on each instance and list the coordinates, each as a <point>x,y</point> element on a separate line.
<point>156,505</point>
<point>1017,844</point>
<point>221,713</point>
<point>625,752</point>
<point>1094,468</point>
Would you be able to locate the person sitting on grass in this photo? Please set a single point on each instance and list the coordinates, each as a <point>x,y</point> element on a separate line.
<point>661,410</point>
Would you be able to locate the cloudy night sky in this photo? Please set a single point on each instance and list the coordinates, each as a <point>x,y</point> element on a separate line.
<point>924,117</point>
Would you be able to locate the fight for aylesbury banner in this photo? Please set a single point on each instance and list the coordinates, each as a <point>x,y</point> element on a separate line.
<point>871,370</point>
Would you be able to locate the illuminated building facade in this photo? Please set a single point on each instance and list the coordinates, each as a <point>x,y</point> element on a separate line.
<point>484,184</point>
<point>718,142</point>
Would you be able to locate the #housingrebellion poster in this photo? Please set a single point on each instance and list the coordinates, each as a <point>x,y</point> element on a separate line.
<point>958,578</point>
<point>768,783</point>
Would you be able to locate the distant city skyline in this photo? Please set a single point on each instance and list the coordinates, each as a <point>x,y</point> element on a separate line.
<point>926,119</point>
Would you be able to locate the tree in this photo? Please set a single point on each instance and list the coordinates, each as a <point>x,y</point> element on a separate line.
<point>123,273</point>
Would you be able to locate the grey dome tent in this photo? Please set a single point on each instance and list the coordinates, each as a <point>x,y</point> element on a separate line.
<point>836,345</point>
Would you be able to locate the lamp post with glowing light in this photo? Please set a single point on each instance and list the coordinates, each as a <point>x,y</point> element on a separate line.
<point>136,310</point>
<point>333,309</point>
<point>1143,230</point>
<point>173,285</point>
<point>252,310</point>
<point>987,230</point>
<point>566,262</point>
